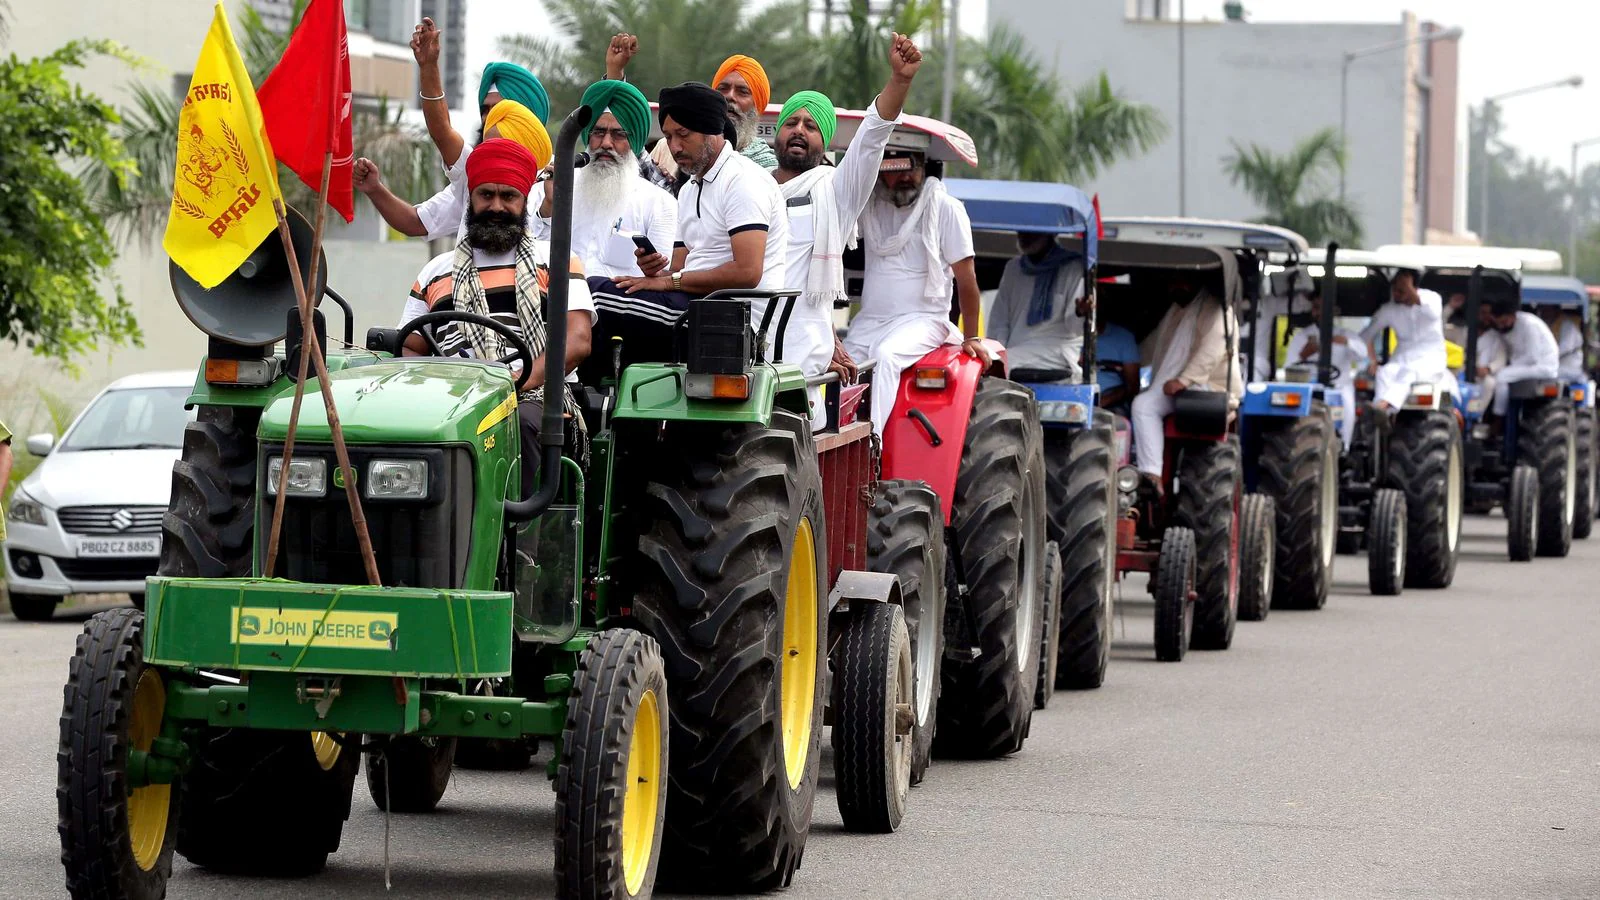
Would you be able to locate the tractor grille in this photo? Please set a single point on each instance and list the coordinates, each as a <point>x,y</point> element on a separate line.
<point>418,543</point>
<point>111,519</point>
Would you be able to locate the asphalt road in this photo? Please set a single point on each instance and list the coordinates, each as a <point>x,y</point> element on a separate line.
<point>1435,744</point>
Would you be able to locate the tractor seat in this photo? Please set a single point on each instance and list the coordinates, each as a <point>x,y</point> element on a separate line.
<point>1040,376</point>
<point>1198,415</point>
<point>1536,389</point>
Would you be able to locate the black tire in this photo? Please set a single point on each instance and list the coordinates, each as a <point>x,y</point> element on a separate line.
<point>1258,548</point>
<point>408,774</point>
<point>1386,543</point>
<point>1425,462</point>
<point>1583,510</point>
<point>1299,468</point>
<point>872,680</point>
<point>33,607</point>
<point>1049,637</point>
<point>617,707</point>
<point>113,704</point>
<point>1082,491</point>
<point>726,513</point>
<point>209,528</point>
<point>1174,580</point>
<point>1522,513</point>
<point>1545,440</point>
<point>1208,505</point>
<point>265,802</point>
<point>998,518</point>
<point>905,538</point>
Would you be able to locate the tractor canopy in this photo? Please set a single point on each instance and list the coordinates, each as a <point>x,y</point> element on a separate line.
<point>1136,277</point>
<point>1570,294</point>
<point>999,210</point>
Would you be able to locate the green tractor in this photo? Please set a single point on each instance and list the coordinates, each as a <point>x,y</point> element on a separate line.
<point>557,593</point>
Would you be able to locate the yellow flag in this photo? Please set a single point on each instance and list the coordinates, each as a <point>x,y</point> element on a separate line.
<point>226,176</point>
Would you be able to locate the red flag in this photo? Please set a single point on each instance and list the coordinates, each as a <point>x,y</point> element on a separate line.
<point>306,103</point>
<point>1099,226</point>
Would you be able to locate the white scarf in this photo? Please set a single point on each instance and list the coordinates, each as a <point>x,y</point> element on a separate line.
<point>825,282</point>
<point>1181,343</point>
<point>926,222</point>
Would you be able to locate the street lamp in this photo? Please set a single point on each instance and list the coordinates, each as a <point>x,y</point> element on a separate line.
<point>1483,145</point>
<point>1350,56</point>
<point>1572,214</point>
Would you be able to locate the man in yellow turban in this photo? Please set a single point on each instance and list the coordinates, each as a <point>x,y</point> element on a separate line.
<point>743,83</point>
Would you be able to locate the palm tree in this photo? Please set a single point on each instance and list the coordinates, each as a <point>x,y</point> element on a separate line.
<point>1294,190</point>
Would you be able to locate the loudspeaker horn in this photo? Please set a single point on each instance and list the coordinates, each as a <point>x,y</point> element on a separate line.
<point>250,308</point>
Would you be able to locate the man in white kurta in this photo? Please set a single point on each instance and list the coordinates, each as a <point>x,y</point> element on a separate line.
<point>823,204</point>
<point>1191,352</point>
<point>1569,340</point>
<point>1415,315</point>
<point>1349,357</point>
<point>1531,350</point>
<point>1035,311</point>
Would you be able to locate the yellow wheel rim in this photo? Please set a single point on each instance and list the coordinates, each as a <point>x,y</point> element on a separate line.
<point>799,672</point>
<point>326,748</point>
<point>148,806</point>
<point>641,802</point>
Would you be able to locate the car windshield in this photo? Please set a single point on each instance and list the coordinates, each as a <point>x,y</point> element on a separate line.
<point>132,419</point>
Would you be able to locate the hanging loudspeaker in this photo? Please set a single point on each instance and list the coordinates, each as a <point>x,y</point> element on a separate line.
<point>251,306</point>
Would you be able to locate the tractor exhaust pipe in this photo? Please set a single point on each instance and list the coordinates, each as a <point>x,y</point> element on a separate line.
<point>552,431</point>
<point>1330,304</point>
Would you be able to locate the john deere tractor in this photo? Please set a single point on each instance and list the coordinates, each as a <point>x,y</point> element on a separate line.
<point>556,594</point>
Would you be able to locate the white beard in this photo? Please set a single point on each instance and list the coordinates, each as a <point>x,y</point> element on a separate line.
<point>600,189</point>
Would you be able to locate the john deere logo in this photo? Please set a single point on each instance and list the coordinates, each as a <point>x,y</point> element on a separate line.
<point>379,630</point>
<point>338,477</point>
<point>249,626</point>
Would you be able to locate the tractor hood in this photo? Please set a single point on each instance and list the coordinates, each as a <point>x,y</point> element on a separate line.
<point>410,401</point>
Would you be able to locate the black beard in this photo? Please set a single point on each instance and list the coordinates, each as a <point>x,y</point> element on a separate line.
<point>495,232</point>
<point>799,158</point>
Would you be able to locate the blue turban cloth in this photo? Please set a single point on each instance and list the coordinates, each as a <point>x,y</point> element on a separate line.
<point>513,82</point>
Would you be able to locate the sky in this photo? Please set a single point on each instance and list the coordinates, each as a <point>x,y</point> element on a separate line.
<point>1504,47</point>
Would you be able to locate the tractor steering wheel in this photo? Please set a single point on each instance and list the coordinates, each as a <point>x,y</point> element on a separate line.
<point>519,346</point>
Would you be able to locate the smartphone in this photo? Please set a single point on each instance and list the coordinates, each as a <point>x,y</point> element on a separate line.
<point>643,243</point>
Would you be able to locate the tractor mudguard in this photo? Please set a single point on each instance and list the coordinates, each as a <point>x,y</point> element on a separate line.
<point>925,434</point>
<point>1065,405</point>
<point>1278,399</point>
<point>1582,394</point>
<point>658,392</point>
<point>871,587</point>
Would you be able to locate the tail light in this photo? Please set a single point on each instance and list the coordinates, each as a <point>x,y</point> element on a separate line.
<point>931,378</point>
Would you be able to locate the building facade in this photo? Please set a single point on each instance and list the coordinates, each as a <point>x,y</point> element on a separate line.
<point>1266,84</point>
<point>451,17</point>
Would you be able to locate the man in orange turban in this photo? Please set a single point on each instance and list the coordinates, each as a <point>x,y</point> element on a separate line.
<point>743,82</point>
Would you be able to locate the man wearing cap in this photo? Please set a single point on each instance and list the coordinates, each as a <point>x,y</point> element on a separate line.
<point>612,200</point>
<point>823,203</point>
<point>440,215</point>
<point>1416,316</point>
<point>499,270</point>
<point>1038,312</point>
<point>731,231</point>
<point>917,238</point>
<point>743,83</point>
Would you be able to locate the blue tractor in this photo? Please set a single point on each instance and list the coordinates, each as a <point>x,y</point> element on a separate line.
<point>1561,296</point>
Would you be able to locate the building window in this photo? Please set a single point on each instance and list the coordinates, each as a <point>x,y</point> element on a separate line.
<point>1148,9</point>
<point>355,15</point>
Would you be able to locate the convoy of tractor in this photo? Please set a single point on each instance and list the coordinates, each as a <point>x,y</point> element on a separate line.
<point>675,595</point>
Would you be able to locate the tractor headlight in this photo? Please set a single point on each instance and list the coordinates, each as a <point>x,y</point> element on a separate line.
<point>1127,479</point>
<point>1063,411</point>
<point>308,477</point>
<point>397,479</point>
<point>25,509</point>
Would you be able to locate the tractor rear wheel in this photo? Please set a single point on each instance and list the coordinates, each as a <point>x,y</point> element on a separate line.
<point>1082,490</point>
<point>1300,470</point>
<point>1425,463</point>
<point>1386,542</point>
<point>1522,513</point>
<point>1583,510</point>
<point>905,538</point>
<point>998,518</point>
<point>1049,639</point>
<point>209,527</point>
<point>611,786</point>
<point>872,695</point>
<point>735,581</point>
<point>1258,546</point>
<point>115,842</point>
<point>1212,484</point>
<point>1173,582</point>
<point>1545,440</point>
<point>409,773</point>
<point>265,802</point>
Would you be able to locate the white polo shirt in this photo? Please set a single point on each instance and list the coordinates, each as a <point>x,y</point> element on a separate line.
<point>735,196</point>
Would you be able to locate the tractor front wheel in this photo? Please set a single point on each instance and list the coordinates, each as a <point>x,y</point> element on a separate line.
<point>1522,514</point>
<point>116,841</point>
<point>1174,581</point>
<point>1050,640</point>
<point>1258,545</point>
<point>872,696</point>
<point>1386,543</point>
<point>409,774</point>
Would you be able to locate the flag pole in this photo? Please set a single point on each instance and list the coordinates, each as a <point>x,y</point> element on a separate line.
<point>306,305</point>
<point>310,347</point>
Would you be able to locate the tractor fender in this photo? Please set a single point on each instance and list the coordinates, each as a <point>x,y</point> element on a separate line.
<point>1279,399</point>
<point>1068,406</point>
<point>924,436</point>
<point>871,587</point>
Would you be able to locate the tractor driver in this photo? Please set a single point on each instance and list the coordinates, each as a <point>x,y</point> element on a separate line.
<point>1349,356</point>
<point>1531,351</point>
<point>1569,339</point>
<point>1038,310</point>
<point>1415,316</point>
<point>500,271</point>
<point>1191,353</point>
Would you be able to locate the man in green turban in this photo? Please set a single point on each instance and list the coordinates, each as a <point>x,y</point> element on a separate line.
<point>823,204</point>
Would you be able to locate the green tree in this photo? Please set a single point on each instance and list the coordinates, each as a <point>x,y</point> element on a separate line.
<point>1294,190</point>
<point>55,252</point>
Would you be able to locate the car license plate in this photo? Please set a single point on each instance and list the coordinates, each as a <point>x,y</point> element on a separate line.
<point>128,546</point>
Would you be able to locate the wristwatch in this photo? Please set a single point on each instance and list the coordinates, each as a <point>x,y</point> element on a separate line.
<point>677,281</point>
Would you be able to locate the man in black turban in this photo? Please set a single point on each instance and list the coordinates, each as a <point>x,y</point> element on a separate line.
<point>700,117</point>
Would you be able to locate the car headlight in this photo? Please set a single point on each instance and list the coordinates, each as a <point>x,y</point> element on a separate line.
<point>308,477</point>
<point>25,509</point>
<point>397,479</point>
